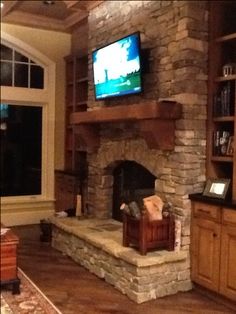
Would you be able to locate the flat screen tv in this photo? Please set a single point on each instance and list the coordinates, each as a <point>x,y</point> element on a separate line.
<point>117,68</point>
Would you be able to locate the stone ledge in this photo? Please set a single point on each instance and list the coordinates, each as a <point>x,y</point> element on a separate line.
<point>97,245</point>
<point>94,232</point>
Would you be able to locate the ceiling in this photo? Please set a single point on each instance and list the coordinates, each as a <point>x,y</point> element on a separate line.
<point>51,15</point>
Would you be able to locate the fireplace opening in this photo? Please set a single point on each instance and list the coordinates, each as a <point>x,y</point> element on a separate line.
<point>132,182</point>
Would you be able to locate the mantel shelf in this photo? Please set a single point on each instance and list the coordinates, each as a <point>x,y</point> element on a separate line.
<point>152,110</point>
<point>156,121</point>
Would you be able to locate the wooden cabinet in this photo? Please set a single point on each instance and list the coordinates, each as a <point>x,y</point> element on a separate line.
<point>9,243</point>
<point>67,186</point>
<point>205,253</point>
<point>228,254</point>
<point>221,123</point>
<point>76,101</point>
<point>213,248</point>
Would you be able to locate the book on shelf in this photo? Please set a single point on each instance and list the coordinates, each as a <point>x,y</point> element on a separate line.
<point>223,102</point>
<point>220,142</point>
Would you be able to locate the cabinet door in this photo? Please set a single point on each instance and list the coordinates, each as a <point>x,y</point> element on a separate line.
<point>228,262</point>
<point>205,253</point>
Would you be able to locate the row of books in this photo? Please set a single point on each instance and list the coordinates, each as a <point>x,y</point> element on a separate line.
<point>222,143</point>
<point>223,102</point>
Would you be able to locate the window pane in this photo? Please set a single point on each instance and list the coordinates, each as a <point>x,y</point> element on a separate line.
<point>6,74</point>
<point>36,76</point>
<point>20,57</point>
<point>6,53</point>
<point>21,151</point>
<point>21,75</point>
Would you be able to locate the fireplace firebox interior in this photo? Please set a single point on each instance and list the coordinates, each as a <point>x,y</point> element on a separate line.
<point>132,182</point>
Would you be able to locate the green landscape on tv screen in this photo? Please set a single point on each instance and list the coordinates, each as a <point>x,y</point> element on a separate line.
<point>117,68</point>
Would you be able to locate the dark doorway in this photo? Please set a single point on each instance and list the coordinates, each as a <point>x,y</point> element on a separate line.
<point>132,182</point>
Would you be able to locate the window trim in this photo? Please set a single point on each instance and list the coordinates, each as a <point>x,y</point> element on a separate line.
<point>35,97</point>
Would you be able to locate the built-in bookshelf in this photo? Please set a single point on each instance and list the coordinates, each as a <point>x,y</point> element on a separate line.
<point>76,101</point>
<point>221,126</point>
<point>70,181</point>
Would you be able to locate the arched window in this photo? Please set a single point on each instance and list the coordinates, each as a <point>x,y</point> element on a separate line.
<point>27,101</point>
<point>17,70</point>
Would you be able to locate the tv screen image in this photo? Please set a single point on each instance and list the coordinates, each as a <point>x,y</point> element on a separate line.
<point>3,111</point>
<point>117,68</point>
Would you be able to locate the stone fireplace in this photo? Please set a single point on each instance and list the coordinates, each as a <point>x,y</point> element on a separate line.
<point>137,141</point>
<point>163,130</point>
<point>167,138</point>
<point>142,138</point>
<point>110,156</point>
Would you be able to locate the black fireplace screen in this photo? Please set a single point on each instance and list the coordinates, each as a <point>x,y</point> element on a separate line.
<point>132,182</point>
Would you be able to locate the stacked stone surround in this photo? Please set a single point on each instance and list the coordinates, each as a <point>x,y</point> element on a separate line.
<point>141,278</point>
<point>176,35</point>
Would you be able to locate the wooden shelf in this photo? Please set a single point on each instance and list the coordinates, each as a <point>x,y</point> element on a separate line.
<point>81,103</point>
<point>165,110</point>
<point>156,122</point>
<point>221,92</point>
<point>225,78</point>
<point>76,100</point>
<point>226,38</point>
<point>222,158</point>
<point>223,119</point>
<point>82,80</point>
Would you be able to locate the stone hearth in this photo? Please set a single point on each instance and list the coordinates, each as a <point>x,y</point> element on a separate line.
<point>96,244</point>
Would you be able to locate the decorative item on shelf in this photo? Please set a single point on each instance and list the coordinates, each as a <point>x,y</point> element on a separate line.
<point>220,142</point>
<point>223,101</point>
<point>224,139</point>
<point>230,148</point>
<point>229,69</point>
<point>216,188</point>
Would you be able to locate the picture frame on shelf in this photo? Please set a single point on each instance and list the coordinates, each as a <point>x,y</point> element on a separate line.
<point>216,188</point>
<point>230,147</point>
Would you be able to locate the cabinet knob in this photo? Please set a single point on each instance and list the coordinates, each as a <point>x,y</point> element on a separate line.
<point>214,235</point>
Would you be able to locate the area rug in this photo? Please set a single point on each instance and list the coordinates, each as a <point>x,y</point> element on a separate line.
<point>30,300</point>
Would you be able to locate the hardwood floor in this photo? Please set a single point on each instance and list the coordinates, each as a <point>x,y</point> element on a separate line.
<point>76,291</point>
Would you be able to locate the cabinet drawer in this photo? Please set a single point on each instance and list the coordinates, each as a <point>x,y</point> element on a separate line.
<point>206,211</point>
<point>8,261</point>
<point>229,216</point>
<point>8,251</point>
<point>8,273</point>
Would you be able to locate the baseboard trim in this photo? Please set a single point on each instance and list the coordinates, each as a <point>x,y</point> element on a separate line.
<point>25,217</point>
<point>216,297</point>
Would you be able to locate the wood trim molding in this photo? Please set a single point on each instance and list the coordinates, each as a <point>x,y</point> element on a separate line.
<point>8,7</point>
<point>156,122</point>
<point>152,110</point>
<point>31,20</point>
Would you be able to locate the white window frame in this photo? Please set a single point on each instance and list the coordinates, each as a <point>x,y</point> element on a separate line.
<point>35,97</point>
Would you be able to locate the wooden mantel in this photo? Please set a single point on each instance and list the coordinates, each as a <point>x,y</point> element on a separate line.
<point>156,122</point>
